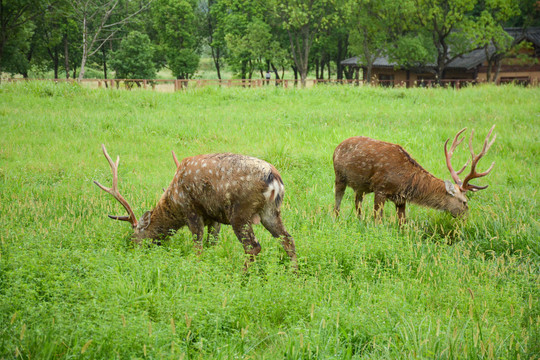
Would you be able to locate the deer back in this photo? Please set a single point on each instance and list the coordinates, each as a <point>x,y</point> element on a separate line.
<point>215,185</point>
<point>376,165</point>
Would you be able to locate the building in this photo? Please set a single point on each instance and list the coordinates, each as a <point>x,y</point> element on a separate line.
<point>472,67</point>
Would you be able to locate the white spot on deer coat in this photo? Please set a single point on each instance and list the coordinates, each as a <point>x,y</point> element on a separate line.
<point>274,188</point>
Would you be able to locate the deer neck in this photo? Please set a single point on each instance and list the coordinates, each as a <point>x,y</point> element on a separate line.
<point>427,190</point>
<point>165,218</point>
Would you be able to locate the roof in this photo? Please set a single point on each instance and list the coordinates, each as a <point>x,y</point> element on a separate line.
<point>466,61</point>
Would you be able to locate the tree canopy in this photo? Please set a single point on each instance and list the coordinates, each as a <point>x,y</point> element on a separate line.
<point>136,39</point>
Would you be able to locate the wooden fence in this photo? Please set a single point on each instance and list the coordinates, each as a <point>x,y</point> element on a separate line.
<point>180,84</point>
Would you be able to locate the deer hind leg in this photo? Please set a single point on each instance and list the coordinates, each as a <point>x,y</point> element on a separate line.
<point>271,220</point>
<point>378,205</point>
<point>340,186</point>
<point>213,232</point>
<point>196,226</point>
<point>358,197</point>
<point>401,213</point>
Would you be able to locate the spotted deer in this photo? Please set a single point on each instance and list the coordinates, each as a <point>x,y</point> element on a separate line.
<point>210,190</point>
<point>367,165</point>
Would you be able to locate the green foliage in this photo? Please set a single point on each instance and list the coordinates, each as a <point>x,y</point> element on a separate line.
<point>174,21</point>
<point>72,286</point>
<point>134,58</point>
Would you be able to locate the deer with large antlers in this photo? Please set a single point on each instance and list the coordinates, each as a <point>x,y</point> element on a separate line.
<point>210,190</point>
<point>367,165</point>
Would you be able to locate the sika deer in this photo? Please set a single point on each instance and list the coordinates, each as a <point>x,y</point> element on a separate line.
<point>209,190</point>
<point>367,165</point>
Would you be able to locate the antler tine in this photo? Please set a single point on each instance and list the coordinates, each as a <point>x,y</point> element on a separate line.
<point>448,156</point>
<point>175,159</point>
<point>114,190</point>
<point>474,161</point>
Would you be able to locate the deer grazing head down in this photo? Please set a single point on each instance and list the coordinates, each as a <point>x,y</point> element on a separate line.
<point>210,190</point>
<point>367,165</point>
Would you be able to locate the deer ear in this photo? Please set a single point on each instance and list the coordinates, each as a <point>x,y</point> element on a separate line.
<point>145,220</point>
<point>450,189</point>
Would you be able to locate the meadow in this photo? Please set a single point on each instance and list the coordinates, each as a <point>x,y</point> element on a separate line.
<point>72,285</point>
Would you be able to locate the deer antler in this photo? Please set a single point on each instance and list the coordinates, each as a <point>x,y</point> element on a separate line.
<point>473,174</point>
<point>448,155</point>
<point>114,191</point>
<point>175,159</point>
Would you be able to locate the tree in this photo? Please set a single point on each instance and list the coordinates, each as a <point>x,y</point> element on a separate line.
<point>492,37</point>
<point>369,37</point>
<point>133,59</point>
<point>210,19</point>
<point>94,18</point>
<point>450,26</point>
<point>16,31</point>
<point>303,20</point>
<point>175,24</point>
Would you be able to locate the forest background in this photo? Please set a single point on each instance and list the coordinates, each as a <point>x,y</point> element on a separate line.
<point>244,39</point>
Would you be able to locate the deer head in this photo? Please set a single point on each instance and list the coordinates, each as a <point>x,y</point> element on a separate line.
<point>139,227</point>
<point>458,201</point>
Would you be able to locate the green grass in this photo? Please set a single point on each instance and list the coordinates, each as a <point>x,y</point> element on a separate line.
<point>73,286</point>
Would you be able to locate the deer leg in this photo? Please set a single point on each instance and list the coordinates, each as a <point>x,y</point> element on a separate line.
<point>196,226</point>
<point>273,223</point>
<point>401,213</point>
<point>340,187</point>
<point>358,197</point>
<point>213,232</point>
<point>378,205</point>
<point>244,233</point>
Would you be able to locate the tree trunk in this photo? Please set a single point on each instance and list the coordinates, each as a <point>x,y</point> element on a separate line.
<point>84,48</point>
<point>66,55</point>
<point>216,57</point>
<point>329,70</point>
<point>497,70</point>
<point>104,62</point>
<point>243,69</point>
<point>367,74</point>
<point>341,51</point>
<point>275,72</point>
<point>295,72</point>
<point>53,54</point>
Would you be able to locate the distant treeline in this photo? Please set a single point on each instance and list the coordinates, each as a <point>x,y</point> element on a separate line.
<point>138,38</point>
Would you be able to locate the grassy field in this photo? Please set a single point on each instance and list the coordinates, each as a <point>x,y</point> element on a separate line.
<point>73,286</point>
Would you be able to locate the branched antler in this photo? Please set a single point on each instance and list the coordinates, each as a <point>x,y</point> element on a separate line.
<point>114,191</point>
<point>464,185</point>
<point>448,155</point>
<point>473,174</point>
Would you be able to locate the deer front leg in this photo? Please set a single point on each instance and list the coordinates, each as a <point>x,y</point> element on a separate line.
<point>378,205</point>
<point>273,223</point>
<point>196,226</point>
<point>340,190</point>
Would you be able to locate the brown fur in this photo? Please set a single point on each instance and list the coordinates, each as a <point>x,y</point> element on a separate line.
<point>216,189</point>
<point>367,165</point>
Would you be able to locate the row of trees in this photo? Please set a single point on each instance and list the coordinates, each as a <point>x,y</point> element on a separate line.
<point>138,37</point>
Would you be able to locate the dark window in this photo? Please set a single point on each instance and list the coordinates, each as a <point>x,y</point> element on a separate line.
<point>386,80</point>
